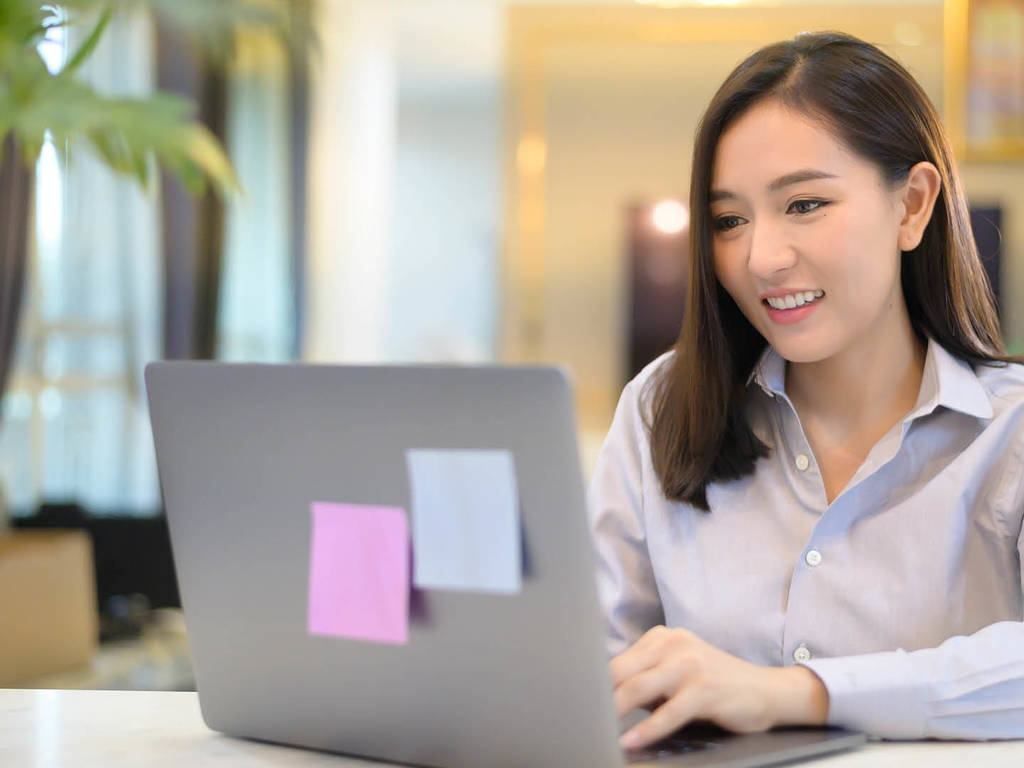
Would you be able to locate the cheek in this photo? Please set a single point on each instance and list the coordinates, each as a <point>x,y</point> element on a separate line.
<point>863,255</point>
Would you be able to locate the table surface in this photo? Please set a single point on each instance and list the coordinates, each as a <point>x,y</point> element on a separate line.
<point>115,729</point>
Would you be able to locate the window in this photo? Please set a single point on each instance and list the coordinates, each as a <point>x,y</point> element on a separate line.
<point>75,424</point>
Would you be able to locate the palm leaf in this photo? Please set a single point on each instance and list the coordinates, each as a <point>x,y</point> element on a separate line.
<point>90,43</point>
<point>125,132</point>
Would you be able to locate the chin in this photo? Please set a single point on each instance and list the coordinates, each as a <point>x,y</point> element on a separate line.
<point>801,357</point>
<point>796,352</point>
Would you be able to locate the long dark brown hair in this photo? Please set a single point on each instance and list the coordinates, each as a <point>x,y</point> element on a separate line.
<point>697,424</point>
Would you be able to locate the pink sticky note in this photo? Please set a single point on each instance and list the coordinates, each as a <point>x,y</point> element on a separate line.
<point>359,572</point>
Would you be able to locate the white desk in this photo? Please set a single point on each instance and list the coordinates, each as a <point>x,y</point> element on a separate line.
<point>118,729</point>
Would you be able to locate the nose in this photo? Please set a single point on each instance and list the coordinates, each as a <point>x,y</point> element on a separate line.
<point>771,254</point>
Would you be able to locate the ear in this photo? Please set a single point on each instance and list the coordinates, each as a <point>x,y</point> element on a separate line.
<point>918,196</point>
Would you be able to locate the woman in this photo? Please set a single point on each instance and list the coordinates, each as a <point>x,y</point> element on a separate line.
<point>819,490</point>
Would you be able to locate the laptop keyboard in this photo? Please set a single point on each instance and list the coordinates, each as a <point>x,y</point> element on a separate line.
<point>668,748</point>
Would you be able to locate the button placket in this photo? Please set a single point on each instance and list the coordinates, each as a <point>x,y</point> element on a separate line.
<point>793,435</point>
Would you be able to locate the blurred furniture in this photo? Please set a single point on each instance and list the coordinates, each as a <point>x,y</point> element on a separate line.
<point>47,601</point>
<point>157,659</point>
<point>132,553</point>
<point>117,729</point>
<point>102,589</point>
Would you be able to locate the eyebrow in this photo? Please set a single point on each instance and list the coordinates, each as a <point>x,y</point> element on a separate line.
<point>805,174</point>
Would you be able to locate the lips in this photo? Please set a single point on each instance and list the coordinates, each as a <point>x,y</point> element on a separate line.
<point>792,315</point>
<point>792,299</point>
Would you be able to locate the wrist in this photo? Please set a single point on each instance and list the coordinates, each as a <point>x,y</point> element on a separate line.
<point>801,698</point>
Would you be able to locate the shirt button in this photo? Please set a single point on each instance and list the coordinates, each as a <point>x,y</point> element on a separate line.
<point>802,462</point>
<point>801,654</point>
<point>813,558</point>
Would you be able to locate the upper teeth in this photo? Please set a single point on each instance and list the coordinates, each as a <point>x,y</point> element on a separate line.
<point>794,299</point>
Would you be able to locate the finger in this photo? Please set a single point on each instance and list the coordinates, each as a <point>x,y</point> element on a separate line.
<point>665,720</point>
<point>642,655</point>
<point>642,689</point>
<point>631,663</point>
<point>653,686</point>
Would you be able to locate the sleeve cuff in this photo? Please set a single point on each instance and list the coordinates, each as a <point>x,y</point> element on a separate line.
<point>878,693</point>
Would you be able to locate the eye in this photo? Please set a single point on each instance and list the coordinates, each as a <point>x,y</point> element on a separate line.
<point>807,206</point>
<point>725,223</point>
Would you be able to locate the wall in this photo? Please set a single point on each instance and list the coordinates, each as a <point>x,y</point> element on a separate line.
<point>443,292</point>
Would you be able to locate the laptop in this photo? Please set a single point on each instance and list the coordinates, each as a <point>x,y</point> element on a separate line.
<point>517,679</point>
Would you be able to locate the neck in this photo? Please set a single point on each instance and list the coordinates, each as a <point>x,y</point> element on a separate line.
<point>877,379</point>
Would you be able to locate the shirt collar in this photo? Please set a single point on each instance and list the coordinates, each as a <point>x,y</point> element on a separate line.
<point>950,382</point>
<point>947,381</point>
<point>770,371</point>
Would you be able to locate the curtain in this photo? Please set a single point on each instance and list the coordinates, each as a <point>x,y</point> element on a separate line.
<point>193,231</point>
<point>257,311</point>
<point>15,194</point>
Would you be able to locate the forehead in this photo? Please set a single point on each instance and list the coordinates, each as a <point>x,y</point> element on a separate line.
<point>770,140</point>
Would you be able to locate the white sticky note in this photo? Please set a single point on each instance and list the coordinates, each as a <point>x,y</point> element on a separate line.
<point>465,520</point>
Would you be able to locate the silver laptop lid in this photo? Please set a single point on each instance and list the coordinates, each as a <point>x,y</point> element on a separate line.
<point>484,680</point>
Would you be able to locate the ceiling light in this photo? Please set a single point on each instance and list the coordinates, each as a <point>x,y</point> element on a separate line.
<point>670,217</point>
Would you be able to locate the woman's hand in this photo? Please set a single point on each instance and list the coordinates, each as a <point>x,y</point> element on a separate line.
<point>687,678</point>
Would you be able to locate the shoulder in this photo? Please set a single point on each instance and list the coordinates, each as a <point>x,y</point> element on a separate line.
<point>639,392</point>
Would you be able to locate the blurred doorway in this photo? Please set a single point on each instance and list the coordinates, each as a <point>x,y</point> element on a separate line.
<point>657,236</point>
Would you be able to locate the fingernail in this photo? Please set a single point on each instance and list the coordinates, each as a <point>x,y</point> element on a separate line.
<point>629,739</point>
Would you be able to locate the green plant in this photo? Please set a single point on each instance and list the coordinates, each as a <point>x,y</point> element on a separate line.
<point>125,131</point>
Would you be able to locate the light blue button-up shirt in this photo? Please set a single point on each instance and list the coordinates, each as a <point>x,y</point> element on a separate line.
<point>904,595</point>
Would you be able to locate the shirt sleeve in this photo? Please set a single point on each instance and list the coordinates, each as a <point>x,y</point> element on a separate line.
<point>625,580</point>
<point>969,687</point>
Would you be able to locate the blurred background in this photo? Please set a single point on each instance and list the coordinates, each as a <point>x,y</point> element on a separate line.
<point>474,181</point>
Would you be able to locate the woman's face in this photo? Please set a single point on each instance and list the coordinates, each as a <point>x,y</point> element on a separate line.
<point>797,219</point>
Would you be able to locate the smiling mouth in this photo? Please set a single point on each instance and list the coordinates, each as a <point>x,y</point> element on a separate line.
<point>793,300</point>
